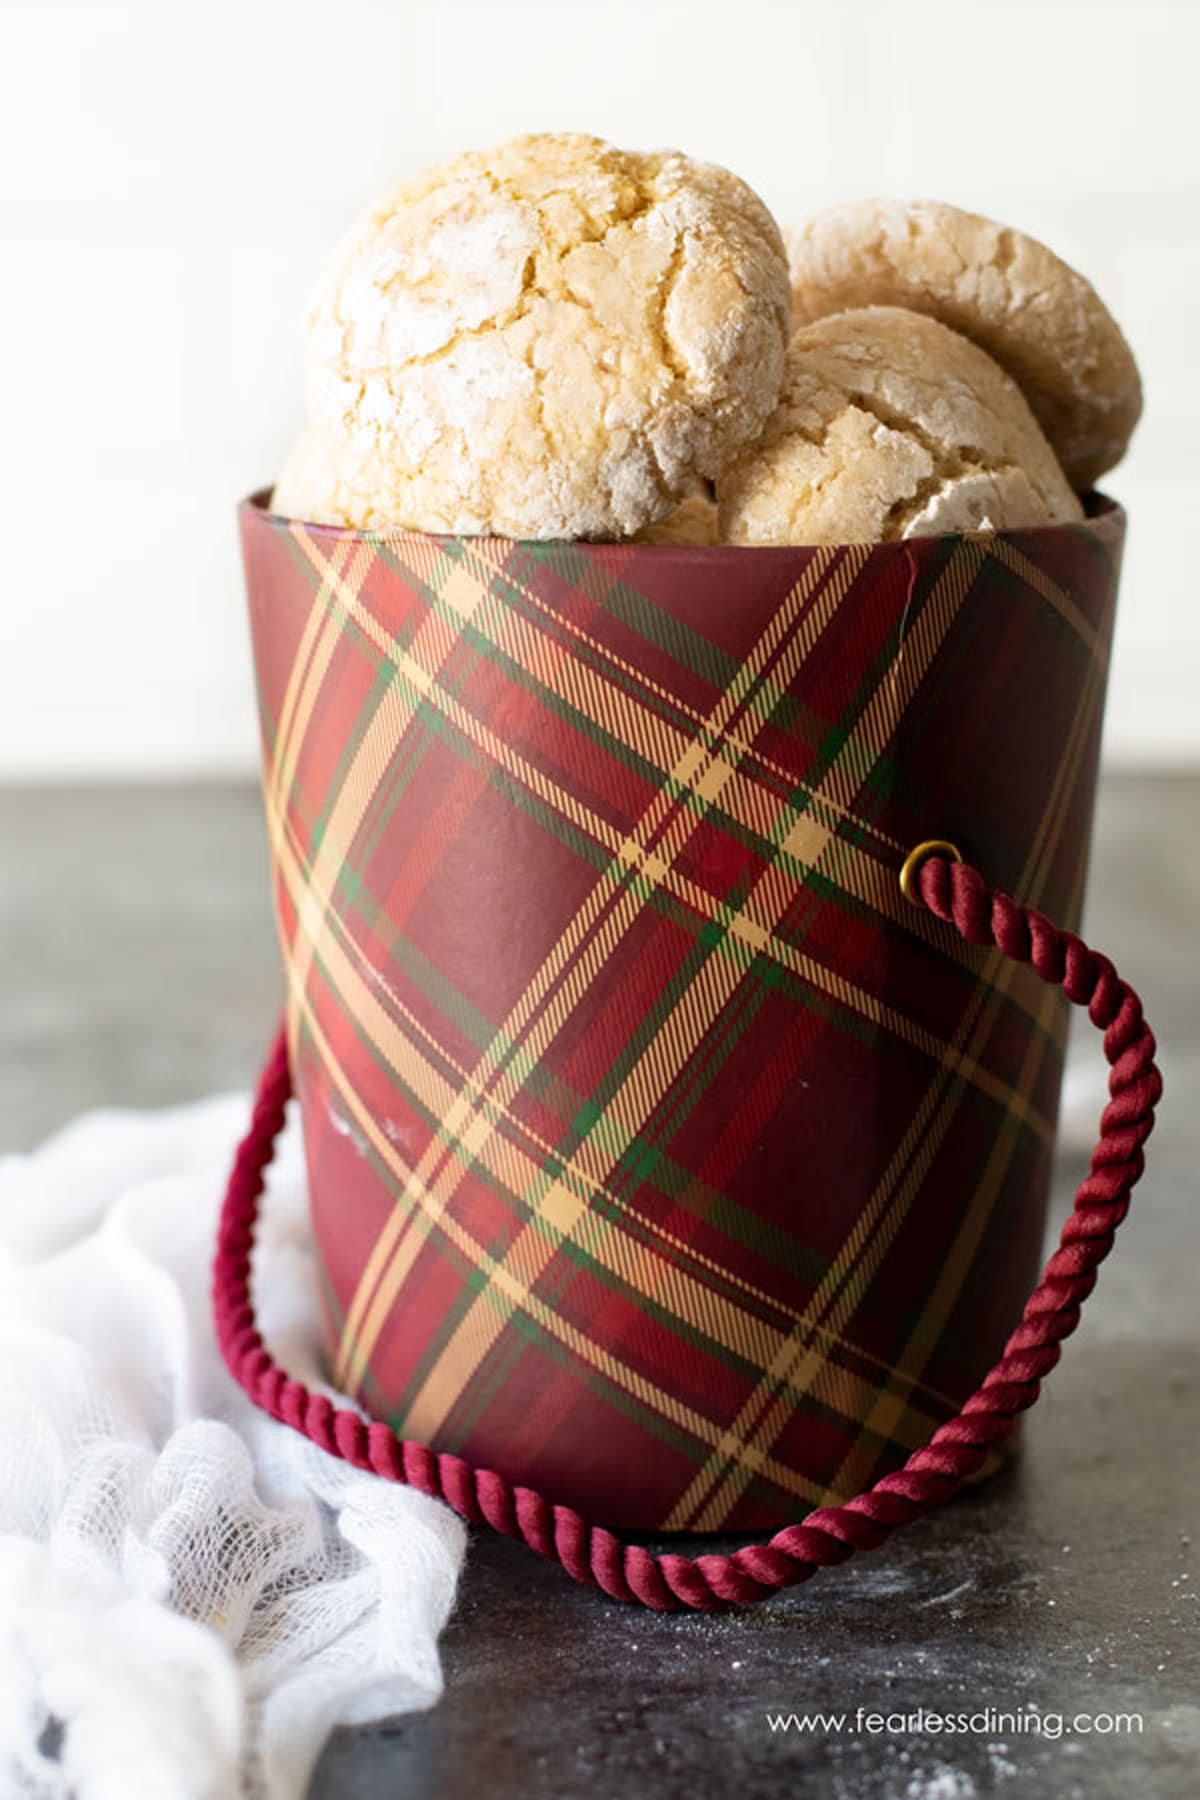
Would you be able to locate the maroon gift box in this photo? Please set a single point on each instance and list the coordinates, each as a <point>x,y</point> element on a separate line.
<point>662,1156</point>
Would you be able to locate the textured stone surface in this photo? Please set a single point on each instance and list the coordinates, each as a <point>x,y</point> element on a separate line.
<point>137,952</point>
<point>137,966</point>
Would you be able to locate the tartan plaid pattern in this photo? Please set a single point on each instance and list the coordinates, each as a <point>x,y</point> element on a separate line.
<point>661,1156</point>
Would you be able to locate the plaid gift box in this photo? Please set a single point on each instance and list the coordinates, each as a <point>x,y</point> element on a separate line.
<point>662,1157</point>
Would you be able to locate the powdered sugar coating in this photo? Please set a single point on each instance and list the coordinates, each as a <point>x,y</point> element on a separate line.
<point>891,426</point>
<point>552,339</point>
<point>1039,319</point>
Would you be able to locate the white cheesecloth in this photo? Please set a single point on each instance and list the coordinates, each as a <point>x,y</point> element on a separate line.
<point>191,1595</point>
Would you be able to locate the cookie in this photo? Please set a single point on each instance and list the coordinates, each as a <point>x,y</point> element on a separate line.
<point>552,339</point>
<point>891,426</point>
<point>328,481</point>
<point>693,521</point>
<point>324,482</point>
<point>1028,309</point>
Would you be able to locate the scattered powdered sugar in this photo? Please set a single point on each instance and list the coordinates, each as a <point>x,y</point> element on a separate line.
<point>942,1783</point>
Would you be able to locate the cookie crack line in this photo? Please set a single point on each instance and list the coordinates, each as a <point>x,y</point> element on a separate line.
<point>954,462</point>
<point>902,512</point>
<point>498,323</point>
<point>533,290</point>
<point>595,229</point>
<point>950,460</point>
<point>666,291</point>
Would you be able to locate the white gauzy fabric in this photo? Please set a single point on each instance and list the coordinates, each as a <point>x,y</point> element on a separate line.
<point>191,1596</point>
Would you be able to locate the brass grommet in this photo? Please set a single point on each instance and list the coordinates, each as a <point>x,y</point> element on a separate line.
<point>914,859</point>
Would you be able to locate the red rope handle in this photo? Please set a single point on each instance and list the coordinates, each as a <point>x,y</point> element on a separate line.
<point>957,894</point>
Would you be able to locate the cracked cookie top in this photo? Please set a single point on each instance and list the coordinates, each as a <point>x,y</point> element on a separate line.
<point>891,426</point>
<point>1028,309</point>
<point>552,339</point>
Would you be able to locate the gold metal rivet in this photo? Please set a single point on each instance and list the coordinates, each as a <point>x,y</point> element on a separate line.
<point>914,859</point>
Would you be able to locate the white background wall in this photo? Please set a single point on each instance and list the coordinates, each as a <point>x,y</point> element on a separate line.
<point>173,176</point>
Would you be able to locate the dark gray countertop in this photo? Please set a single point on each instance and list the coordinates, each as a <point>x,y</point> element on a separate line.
<point>138,967</point>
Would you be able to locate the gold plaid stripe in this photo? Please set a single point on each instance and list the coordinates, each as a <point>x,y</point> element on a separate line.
<point>766,1414</point>
<point>412,1048</point>
<point>1062,603</point>
<point>680,1034</point>
<point>933,1317</point>
<point>877,1229</point>
<point>606,914</point>
<point>756,931</point>
<point>741,747</point>
<point>576,684</point>
<point>507,1293</point>
<point>753,924</point>
<point>892,1401</point>
<point>698,767</point>
<point>434,641</point>
<point>642,1268</point>
<point>318,642</point>
<point>309,668</point>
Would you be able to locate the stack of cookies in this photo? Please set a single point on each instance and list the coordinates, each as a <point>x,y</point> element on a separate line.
<point>558,339</point>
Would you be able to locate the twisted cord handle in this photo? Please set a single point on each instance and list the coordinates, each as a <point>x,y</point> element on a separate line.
<point>957,894</point>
